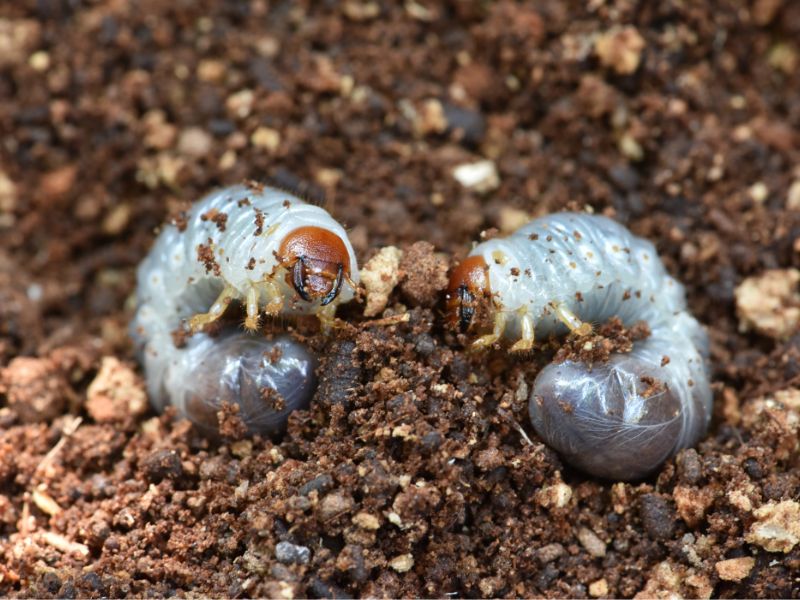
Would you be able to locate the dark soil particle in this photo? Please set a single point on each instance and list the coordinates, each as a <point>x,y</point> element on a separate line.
<point>658,517</point>
<point>415,472</point>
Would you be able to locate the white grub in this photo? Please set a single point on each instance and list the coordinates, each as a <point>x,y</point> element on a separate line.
<point>560,274</point>
<point>265,249</point>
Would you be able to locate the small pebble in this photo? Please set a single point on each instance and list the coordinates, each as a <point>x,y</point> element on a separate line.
<point>550,552</point>
<point>163,464</point>
<point>320,483</point>
<point>689,468</point>
<point>620,48</point>
<point>402,563</point>
<point>658,517</point>
<point>591,542</point>
<point>289,553</point>
<point>735,569</point>
<point>194,142</point>
<point>266,138</point>
<point>333,505</point>
<point>598,589</point>
<point>467,124</point>
<point>480,176</point>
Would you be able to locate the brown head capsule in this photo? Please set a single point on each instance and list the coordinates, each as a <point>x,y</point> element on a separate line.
<point>317,261</point>
<point>468,288</point>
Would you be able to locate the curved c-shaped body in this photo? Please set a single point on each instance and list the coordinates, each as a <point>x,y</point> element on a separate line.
<point>260,246</point>
<point>621,419</point>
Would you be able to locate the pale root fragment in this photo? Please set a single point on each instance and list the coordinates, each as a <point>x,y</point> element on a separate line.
<point>770,303</point>
<point>380,276</point>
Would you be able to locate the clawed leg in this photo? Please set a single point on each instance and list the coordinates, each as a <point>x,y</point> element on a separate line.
<point>272,293</point>
<point>197,322</point>
<point>500,320</point>
<point>327,317</point>
<point>251,306</point>
<point>571,320</point>
<point>267,290</point>
<point>525,343</point>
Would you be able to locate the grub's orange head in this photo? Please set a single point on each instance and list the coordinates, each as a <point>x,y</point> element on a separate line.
<point>317,261</point>
<point>467,291</point>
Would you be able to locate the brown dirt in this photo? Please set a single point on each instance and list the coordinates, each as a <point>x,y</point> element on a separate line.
<point>416,471</point>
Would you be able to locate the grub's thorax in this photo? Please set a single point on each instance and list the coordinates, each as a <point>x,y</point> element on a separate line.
<point>317,262</point>
<point>467,292</point>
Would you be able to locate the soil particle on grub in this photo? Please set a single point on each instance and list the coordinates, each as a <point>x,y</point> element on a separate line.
<point>419,125</point>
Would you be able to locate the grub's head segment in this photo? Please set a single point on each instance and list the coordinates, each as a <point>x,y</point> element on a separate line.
<point>467,291</point>
<point>317,263</point>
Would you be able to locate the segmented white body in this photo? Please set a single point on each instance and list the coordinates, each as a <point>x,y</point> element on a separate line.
<point>597,269</point>
<point>175,283</point>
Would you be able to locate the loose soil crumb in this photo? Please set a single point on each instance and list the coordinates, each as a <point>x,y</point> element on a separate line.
<point>379,277</point>
<point>415,472</point>
<point>424,274</point>
<point>34,389</point>
<point>116,393</point>
<point>770,303</point>
<point>611,337</point>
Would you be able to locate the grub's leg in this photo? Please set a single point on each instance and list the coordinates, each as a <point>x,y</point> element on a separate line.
<point>327,317</point>
<point>251,306</point>
<point>571,320</point>
<point>272,293</point>
<point>500,320</point>
<point>526,341</point>
<point>197,322</point>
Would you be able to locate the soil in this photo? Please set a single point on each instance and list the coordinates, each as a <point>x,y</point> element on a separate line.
<point>416,471</point>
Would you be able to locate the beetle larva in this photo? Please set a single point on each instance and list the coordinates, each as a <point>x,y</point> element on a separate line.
<point>261,247</point>
<point>560,273</point>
